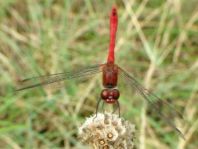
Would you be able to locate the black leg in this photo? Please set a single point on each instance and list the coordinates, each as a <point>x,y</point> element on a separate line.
<point>97,107</point>
<point>103,110</point>
<point>116,106</point>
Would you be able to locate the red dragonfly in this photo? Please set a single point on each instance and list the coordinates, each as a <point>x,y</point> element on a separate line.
<point>110,72</point>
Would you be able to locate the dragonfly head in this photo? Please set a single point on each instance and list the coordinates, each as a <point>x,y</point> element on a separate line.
<point>110,95</point>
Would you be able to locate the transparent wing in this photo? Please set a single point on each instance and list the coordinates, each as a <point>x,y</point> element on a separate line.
<point>48,79</point>
<point>152,99</point>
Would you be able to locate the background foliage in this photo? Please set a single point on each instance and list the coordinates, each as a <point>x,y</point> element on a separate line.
<point>157,42</point>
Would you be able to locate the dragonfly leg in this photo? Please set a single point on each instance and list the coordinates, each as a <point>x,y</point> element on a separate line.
<point>116,106</point>
<point>97,107</point>
<point>103,110</point>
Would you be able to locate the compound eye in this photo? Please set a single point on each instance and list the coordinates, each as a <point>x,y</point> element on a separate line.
<point>104,94</point>
<point>116,94</point>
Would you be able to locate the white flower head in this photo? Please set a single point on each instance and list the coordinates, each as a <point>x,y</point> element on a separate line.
<point>106,131</point>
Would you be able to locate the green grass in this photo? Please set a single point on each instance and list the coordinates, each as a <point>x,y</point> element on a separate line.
<point>156,41</point>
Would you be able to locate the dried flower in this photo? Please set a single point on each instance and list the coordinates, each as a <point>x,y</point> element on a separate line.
<point>107,131</point>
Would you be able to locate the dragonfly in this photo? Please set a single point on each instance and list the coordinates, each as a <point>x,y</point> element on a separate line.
<point>110,75</point>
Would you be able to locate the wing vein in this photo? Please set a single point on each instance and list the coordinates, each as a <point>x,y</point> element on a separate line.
<point>151,98</point>
<point>48,79</point>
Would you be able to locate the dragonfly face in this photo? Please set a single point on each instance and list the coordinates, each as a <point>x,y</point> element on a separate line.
<point>110,95</point>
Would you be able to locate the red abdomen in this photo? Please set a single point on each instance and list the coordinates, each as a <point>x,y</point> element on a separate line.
<point>110,75</point>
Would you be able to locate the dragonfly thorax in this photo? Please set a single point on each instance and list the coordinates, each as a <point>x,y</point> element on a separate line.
<point>110,95</point>
<point>110,75</point>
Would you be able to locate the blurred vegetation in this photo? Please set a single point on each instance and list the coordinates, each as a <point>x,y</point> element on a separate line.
<point>157,42</point>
